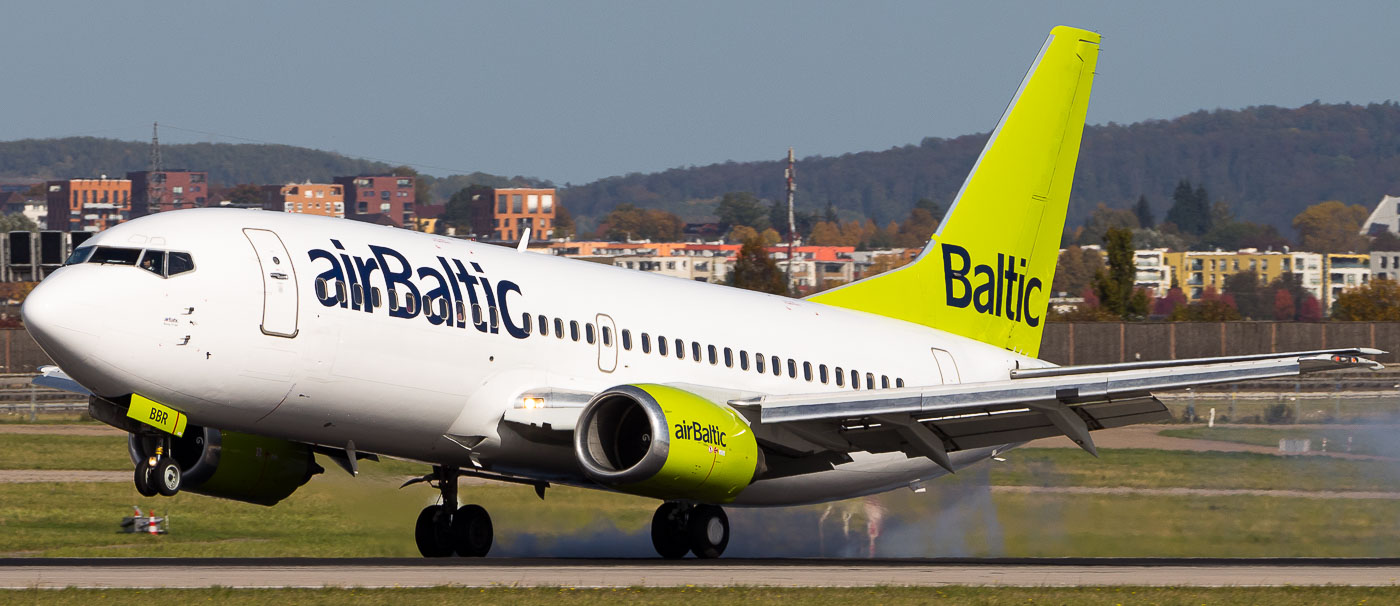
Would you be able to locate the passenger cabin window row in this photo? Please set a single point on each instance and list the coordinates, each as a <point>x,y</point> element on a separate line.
<point>715,355</point>
<point>162,263</point>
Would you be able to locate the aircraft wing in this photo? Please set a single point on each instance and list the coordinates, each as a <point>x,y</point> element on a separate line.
<point>53,376</point>
<point>1033,403</point>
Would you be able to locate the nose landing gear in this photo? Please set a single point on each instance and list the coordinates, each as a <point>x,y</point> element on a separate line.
<point>678,528</point>
<point>445,529</point>
<point>158,474</point>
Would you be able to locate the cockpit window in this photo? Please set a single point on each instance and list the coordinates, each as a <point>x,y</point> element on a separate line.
<point>115,256</point>
<point>178,263</point>
<point>153,261</point>
<point>159,262</point>
<point>80,255</point>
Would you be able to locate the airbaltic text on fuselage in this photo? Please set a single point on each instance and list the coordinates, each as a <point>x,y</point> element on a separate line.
<point>707,434</point>
<point>1001,292</point>
<point>437,292</point>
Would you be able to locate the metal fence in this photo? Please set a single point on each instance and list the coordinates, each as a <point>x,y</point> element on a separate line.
<point>1069,343</point>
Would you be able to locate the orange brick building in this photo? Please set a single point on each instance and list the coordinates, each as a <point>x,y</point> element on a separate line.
<point>518,208</point>
<point>327,199</point>
<point>88,204</point>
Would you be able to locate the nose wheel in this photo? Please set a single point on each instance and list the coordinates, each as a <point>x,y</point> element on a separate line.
<point>678,528</point>
<point>158,475</point>
<point>445,529</point>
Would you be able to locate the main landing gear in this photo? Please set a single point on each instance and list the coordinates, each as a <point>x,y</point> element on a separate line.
<point>446,529</point>
<point>158,474</point>
<point>678,528</point>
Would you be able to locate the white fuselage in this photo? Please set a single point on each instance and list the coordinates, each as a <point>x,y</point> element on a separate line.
<point>200,342</point>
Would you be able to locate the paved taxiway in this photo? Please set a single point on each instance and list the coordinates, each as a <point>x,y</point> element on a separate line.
<point>260,572</point>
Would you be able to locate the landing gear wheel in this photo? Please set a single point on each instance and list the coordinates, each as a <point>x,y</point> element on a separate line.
<point>433,532</point>
<point>708,530</point>
<point>471,531</point>
<point>166,476</point>
<point>144,484</point>
<point>668,531</point>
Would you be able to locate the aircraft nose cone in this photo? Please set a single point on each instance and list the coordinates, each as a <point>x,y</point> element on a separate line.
<point>51,315</point>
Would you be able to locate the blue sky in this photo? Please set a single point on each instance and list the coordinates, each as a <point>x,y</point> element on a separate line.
<point>575,91</point>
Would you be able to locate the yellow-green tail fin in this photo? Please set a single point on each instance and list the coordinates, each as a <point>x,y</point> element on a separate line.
<point>986,272</point>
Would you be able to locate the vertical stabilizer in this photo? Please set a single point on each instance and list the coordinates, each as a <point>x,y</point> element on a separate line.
<point>986,273</point>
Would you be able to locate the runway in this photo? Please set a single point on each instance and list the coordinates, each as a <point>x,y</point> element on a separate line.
<point>491,572</point>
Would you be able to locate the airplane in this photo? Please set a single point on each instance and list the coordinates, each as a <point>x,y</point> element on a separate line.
<point>235,345</point>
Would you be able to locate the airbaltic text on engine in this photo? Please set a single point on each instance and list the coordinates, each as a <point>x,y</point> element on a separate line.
<point>1003,284</point>
<point>449,284</point>
<point>707,434</point>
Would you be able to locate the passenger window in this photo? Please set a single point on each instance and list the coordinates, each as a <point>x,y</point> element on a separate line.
<point>393,299</point>
<point>807,370</point>
<point>357,296</point>
<point>855,379</point>
<point>884,382</point>
<point>461,307</point>
<point>821,371</point>
<point>607,336</point>
<point>573,329</point>
<point>588,332</point>
<point>115,256</point>
<point>792,368</point>
<point>777,367</point>
<point>869,380</point>
<point>898,382</point>
<point>376,300</point>
<point>743,360</point>
<point>627,339</point>
<point>476,309</point>
<point>695,351</point>
<point>340,292</point>
<point>544,326</point>
<point>728,358</point>
<point>154,262</point>
<point>495,320</point>
<point>529,326</point>
<point>660,345</point>
<point>80,255</point>
<point>714,357</point>
<point>646,343</point>
<point>321,291</point>
<point>558,328</point>
<point>410,302</point>
<point>758,362</point>
<point>840,377</point>
<point>178,263</point>
<point>680,349</point>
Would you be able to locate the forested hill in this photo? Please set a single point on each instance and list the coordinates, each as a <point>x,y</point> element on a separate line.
<point>1267,162</point>
<point>227,164</point>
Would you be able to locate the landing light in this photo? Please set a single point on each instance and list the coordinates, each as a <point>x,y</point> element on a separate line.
<point>532,402</point>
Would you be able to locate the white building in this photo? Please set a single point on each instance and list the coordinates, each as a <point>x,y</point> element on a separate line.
<point>1153,271</point>
<point>1386,217</point>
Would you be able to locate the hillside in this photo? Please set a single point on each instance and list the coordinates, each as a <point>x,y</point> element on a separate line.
<point>227,164</point>
<point>1268,162</point>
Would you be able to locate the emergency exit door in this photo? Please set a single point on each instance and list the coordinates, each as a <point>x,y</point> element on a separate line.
<point>279,282</point>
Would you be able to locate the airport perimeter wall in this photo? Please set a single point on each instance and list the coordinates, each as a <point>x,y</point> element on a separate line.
<point>1071,343</point>
<point>1065,343</point>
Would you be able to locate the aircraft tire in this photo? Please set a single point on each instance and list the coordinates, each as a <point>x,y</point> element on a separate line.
<point>668,531</point>
<point>166,476</point>
<point>144,486</point>
<point>708,531</point>
<point>433,533</point>
<point>471,531</point>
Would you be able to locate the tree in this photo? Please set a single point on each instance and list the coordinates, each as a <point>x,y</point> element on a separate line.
<point>1251,298</point>
<point>627,222</point>
<point>1374,301</point>
<point>468,208</point>
<point>1310,310</point>
<point>17,222</point>
<point>1331,227</point>
<point>246,195</point>
<point>1284,307</point>
<point>1103,219</point>
<point>1190,209</point>
<point>1076,269</point>
<point>825,234</point>
<point>769,237</point>
<point>1212,309</point>
<point>917,229</point>
<point>1143,211</point>
<point>755,270</point>
<point>740,234</point>
<point>742,208</point>
<point>1114,286</point>
<point>564,226</point>
<point>1166,305</point>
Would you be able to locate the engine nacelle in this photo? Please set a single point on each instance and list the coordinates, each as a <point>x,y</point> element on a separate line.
<point>237,466</point>
<point>667,443</point>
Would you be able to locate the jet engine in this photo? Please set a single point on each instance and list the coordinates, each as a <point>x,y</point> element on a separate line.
<point>663,442</point>
<point>232,465</point>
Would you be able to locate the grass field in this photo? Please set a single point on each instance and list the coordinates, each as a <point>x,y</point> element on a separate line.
<point>755,596</point>
<point>1305,409</point>
<point>1356,439</point>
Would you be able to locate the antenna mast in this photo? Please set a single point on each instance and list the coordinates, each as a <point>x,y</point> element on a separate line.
<point>155,147</point>
<point>792,223</point>
<point>155,182</point>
